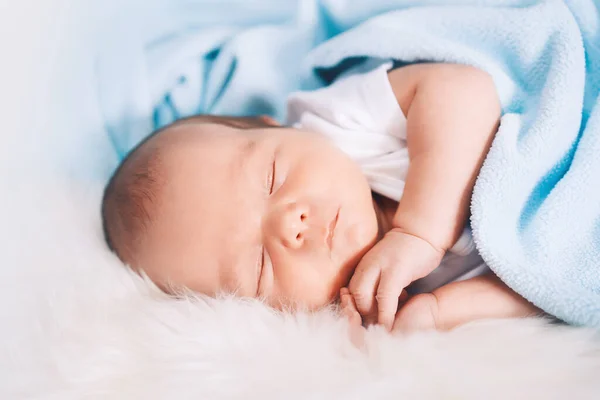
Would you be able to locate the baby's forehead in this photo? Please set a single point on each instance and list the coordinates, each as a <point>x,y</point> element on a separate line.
<point>214,124</point>
<point>188,132</point>
<point>202,141</point>
<point>208,131</point>
<point>199,153</point>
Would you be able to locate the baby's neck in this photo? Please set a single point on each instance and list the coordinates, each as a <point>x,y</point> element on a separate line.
<point>385,210</point>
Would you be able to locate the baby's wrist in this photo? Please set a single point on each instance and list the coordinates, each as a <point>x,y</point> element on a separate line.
<point>436,247</point>
<point>441,236</point>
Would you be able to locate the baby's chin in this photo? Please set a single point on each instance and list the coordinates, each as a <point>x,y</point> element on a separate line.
<point>316,298</point>
<point>342,281</point>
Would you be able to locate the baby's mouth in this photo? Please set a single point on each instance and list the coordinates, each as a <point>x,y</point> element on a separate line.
<point>331,230</point>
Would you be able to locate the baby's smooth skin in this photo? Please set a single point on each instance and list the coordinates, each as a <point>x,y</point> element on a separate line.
<point>243,205</point>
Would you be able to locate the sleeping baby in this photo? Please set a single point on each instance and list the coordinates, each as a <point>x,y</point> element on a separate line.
<point>363,197</point>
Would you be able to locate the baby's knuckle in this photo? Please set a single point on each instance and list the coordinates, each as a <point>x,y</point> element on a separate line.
<point>395,276</point>
<point>360,296</point>
<point>386,296</point>
<point>372,262</point>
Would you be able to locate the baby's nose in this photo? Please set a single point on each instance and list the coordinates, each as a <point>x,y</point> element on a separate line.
<point>291,224</point>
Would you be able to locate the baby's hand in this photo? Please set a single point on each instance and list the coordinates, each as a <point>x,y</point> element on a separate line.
<point>391,265</point>
<point>453,305</point>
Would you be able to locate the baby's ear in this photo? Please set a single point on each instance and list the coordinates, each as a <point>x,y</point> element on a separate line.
<point>268,120</point>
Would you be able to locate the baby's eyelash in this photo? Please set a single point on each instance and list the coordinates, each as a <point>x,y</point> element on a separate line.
<point>271,179</point>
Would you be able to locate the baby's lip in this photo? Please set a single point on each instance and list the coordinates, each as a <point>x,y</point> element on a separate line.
<point>331,229</point>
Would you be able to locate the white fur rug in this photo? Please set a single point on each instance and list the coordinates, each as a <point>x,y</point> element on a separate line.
<point>77,325</point>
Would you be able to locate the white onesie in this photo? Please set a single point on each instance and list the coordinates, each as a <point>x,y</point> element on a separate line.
<point>360,114</point>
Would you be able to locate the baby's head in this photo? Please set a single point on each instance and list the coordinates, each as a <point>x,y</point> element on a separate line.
<point>223,204</point>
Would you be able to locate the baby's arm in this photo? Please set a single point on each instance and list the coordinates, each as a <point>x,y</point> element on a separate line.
<point>452,115</point>
<point>453,305</point>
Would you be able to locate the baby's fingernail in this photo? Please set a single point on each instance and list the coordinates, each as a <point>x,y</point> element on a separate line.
<point>344,301</point>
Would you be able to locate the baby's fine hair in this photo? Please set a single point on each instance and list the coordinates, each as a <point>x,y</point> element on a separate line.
<point>130,199</point>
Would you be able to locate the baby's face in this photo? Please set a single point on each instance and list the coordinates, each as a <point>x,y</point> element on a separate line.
<point>267,212</point>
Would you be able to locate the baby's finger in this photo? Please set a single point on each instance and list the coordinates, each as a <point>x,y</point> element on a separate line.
<point>344,292</point>
<point>348,308</point>
<point>346,300</point>
<point>363,287</point>
<point>388,294</point>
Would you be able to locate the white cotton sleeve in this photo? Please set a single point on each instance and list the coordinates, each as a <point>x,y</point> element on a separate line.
<point>358,112</point>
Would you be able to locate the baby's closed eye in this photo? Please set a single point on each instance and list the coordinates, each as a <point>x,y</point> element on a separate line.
<point>271,176</point>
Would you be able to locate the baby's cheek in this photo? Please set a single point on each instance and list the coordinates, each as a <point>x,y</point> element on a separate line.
<point>307,286</point>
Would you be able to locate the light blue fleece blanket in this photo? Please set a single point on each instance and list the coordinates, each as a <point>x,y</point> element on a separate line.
<point>536,204</point>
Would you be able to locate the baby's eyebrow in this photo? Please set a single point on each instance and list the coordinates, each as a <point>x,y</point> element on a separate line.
<point>249,149</point>
<point>245,154</point>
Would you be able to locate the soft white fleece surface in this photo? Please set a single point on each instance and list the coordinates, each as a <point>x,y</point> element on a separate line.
<point>76,325</point>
